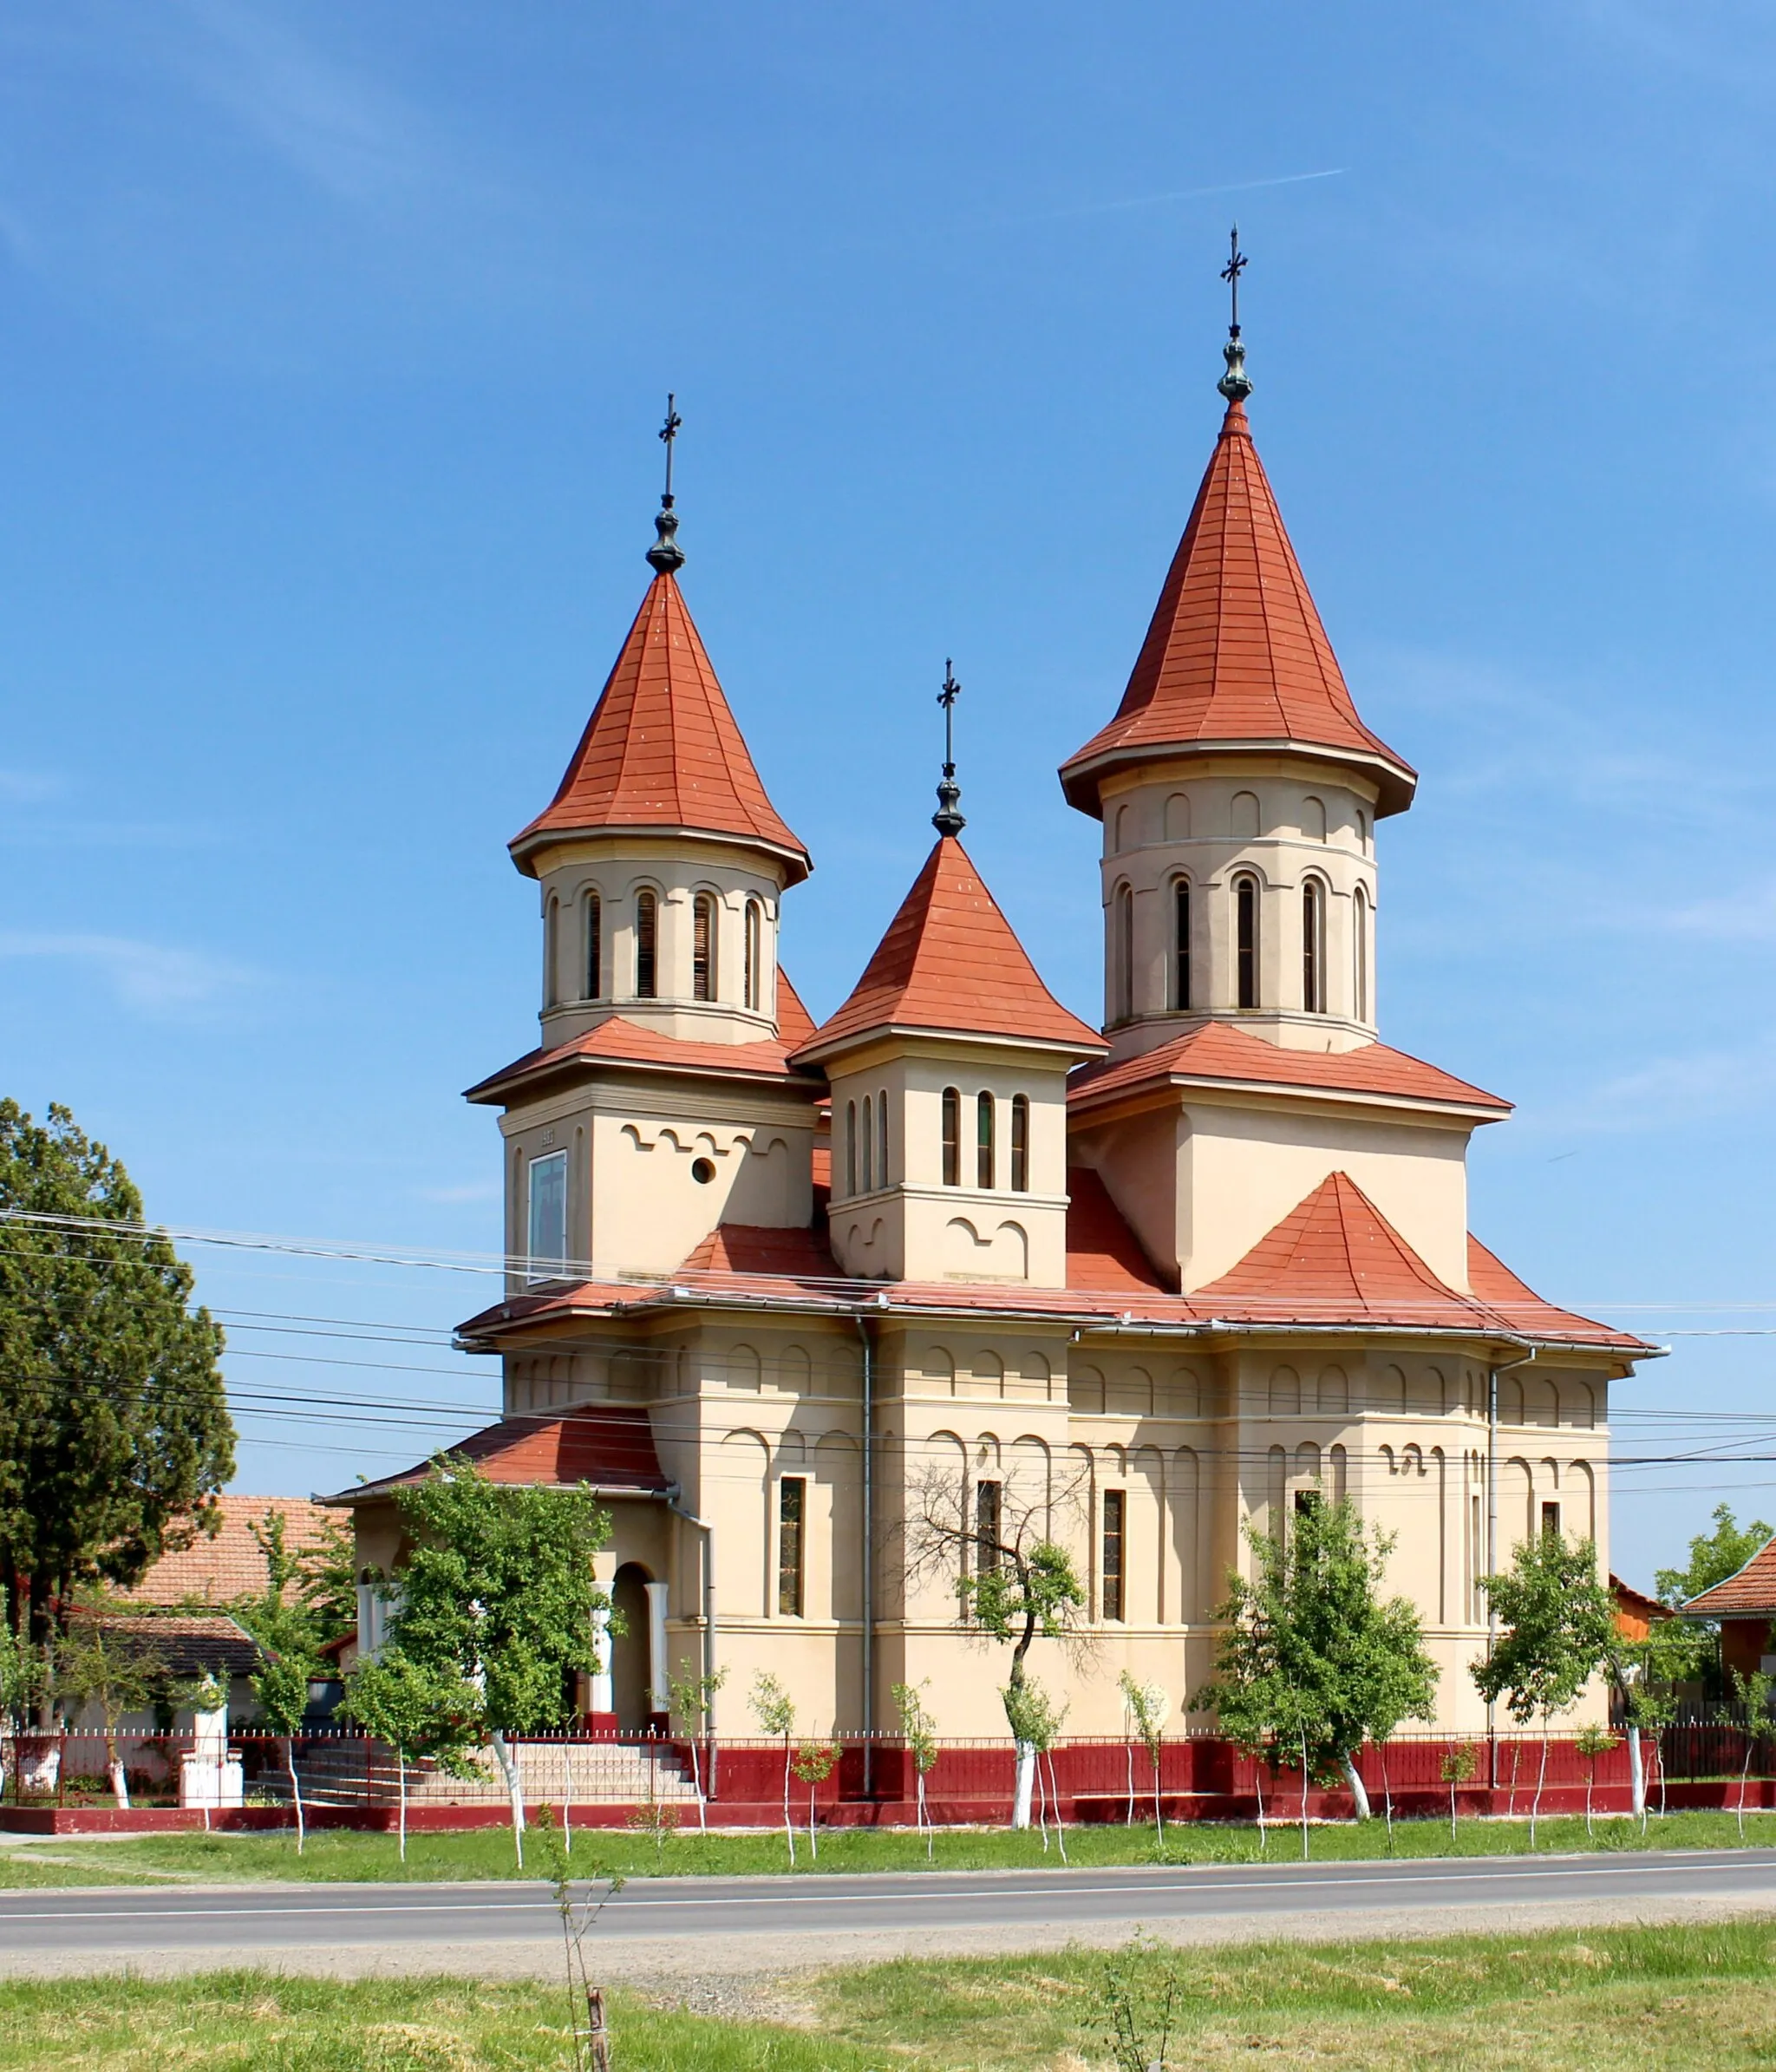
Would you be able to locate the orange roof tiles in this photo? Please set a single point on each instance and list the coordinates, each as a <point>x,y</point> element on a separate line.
<point>611,1446</point>
<point>758,1248</point>
<point>216,1572</point>
<point>617,1042</point>
<point>1748,1592</point>
<point>1217,1050</point>
<point>794,1023</point>
<point>1334,1252</point>
<point>662,748</point>
<point>950,963</point>
<point>1102,1253</point>
<point>1235,652</point>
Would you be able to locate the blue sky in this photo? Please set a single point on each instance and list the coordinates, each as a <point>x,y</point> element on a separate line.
<point>332,345</point>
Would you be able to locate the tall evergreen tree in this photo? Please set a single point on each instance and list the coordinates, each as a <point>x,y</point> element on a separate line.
<point>114,1432</point>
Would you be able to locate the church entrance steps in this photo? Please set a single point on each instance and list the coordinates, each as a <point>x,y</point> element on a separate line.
<point>588,1773</point>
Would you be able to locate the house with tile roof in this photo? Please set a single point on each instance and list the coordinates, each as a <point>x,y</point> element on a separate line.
<point>1151,1285</point>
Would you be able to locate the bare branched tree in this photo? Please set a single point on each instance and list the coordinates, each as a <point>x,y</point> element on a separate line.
<point>991,1539</point>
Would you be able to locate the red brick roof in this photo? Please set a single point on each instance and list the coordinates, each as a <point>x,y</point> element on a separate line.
<point>611,1446</point>
<point>1102,1253</point>
<point>617,1042</point>
<point>1748,1592</point>
<point>662,748</point>
<point>1236,652</point>
<point>950,963</point>
<point>1219,1051</point>
<point>216,1572</point>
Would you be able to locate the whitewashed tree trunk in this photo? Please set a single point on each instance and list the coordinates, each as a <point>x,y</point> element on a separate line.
<point>1637,1774</point>
<point>1026,1783</point>
<point>1358,1792</point>
<point>507,1759</point>
<point>120,1783</point>
<point>295,1791</point>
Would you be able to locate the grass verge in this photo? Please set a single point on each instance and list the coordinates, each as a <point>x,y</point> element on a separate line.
<point>1704,1999</point>
<point>488,1853</point>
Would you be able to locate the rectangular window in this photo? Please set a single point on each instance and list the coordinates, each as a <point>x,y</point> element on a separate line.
<point>647,929</point>
<point>952,1138</point>
<point>792,1510</point>
<point>702,948</point>
<point>988,1527</point>
<point>1180,946</point>
<point>983,1141</point>
<point>548,1214</point>
<point>1310,928</point>
<point>595,947</point>
<point>1550,1521</point>
<point>866,1149</point>
<point>851,1147</point>
<point>753,991</point>
<point>1111,1593</point>
<point>1245,923</point>
<point>1020,1143</point>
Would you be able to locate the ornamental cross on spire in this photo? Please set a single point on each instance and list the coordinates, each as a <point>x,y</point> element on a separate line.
<point>665,554</point>
<point>1236,383</point>
<point>948,818</point>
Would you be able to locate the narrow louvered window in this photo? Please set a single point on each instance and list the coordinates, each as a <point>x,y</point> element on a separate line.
<point>1122,957</point>
<point>952,1138</point>
<point>989,1526</point>
<point>551,950</point>
<point>647,935</point>
<point>702,947</point>
<point>882,1139</point>
<point>1110,1593</point>
<point>983,1141</point>
<point>594,944</point>
<point>1020,1143</point>
<point>1180,945</point>
<point>1361,911</point>
<point>1312,918</point>
<point>1245,923</point>
<point>866,1138</point>
<point>754,949</point>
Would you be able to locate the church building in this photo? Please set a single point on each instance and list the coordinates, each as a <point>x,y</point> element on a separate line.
<point>826,1313</point>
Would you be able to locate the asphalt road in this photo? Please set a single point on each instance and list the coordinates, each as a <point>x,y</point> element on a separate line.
<point>244,1922</point>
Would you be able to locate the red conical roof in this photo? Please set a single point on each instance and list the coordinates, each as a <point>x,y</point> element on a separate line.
<point>1235,654</point>
<point>949,964</point>
<point>662,750</point>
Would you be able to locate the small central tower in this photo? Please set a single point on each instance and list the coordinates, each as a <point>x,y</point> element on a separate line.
<point>1237,788</point>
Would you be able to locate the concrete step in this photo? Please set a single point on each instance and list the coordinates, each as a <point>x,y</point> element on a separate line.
<point>584,1774</point>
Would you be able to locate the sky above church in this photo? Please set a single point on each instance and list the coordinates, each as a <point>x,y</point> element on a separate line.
<point>333,343</point>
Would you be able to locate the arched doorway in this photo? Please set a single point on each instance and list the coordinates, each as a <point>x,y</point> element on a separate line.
<point>629,1680</point>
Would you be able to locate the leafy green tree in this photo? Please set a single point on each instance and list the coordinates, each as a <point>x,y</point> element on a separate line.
<point>114,1433</point>
<point>1712,1557</point>
<point>496,1597</point>
<point>417,1710</point>
<point>1148,1707</point>
<point>921,1732</point>
<point>693,1698</point>
<point>1591,1743</point>
<point>1557,1625</point>
<point>1458,1767</point>
<point>96,1663</point>
<point>774,1710</point>
<point>282,1687</point>
<point>1753,1693</point>
<point>1036,1722</point>
<point>814,1764</point>
<point>1312,1652</point>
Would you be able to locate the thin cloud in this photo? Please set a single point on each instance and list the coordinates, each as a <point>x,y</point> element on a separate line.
<point>27,788</point>
<point>162,983</point>
<point>1155,202</point>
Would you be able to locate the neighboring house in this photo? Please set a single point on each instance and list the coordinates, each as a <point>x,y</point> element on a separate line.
<point>1637,1614</point>
<point>1163,1279</point>
<point>188,1645</point>
<point>1744,1607</point>
<point>219,1570</point>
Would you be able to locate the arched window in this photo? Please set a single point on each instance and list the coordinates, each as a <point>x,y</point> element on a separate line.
<point>755,955</point>
<point>592,937</point>
<point>882,1139</point>
<point>983,1141</point>
<point>1313,929</point>
<point>1246,941</point>
<point>551,950</point>
<point>851,1147</point>
<point>702,947</point>
<point>647,943</point>
<point>1122,956</point>
<point>1181,944</point>
<point>866,1138</point>
<point>1021,1143</point>
<point>1362,930</point>
<point>952,1138</point>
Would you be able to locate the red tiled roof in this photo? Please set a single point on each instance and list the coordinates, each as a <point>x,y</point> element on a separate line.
<point>950,963</point>
<point>216,1572</point>
<point>617,1042</point>
<point>757,1248</point>
<point>1102,1253</point>
<point>662,748</point>
<point>1217,1050</point>
<point>1748,1592</point>
<point>1333,1253</point>
<point>1235,652</point>
<point>794,1023</point>
<point>611,1446</point>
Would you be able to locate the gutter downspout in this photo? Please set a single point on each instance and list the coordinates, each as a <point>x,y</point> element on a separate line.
<point>707,1531</point>
<point>1492,1374</point>
<point>869,1555</point>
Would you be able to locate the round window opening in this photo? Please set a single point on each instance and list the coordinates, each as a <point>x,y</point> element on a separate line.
<point>702,1171</point>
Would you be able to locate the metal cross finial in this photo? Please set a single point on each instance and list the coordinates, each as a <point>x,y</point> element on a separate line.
<point>947,818</point>
<point>666,554</point>
<point>1236,383</point>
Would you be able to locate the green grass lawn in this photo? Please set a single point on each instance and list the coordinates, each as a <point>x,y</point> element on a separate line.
<point>1701,1999</point>
<point>488,1853</point>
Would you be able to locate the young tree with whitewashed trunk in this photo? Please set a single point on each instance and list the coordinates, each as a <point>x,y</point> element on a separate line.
<point>116,1671</point>
<point>1015,1583</point>
<point>496,1595</point>
<point>921,1732</point>
<point>1149,1707</point>
<point>417,1712</point>
<point>774,1710</point>
<point>693,1698</point>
